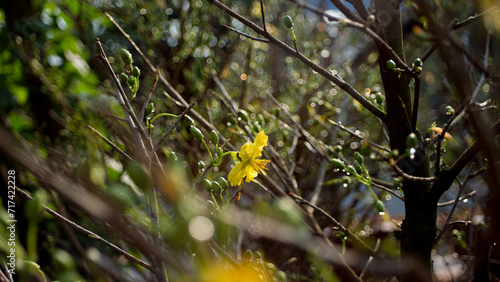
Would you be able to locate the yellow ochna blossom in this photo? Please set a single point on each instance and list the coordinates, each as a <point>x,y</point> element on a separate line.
<point>247,164</point>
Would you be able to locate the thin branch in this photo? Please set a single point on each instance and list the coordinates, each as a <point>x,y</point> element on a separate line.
<point>416,99</point>
<point>454,26</point>
<point>345,10</point>
<point>441,137</point>
<point>406,176</point>
<point>333,78</point>
<point>207,168</point>
<point>109,142</point>
<point>112,116</point>
<point>146,102</point>
<point>449,203</point>
<point>363,28</point>
<point>445,34</point>
<point>124,102</point>
<point>386,189</point>
<point>360,8</point>
<point>231,105</point>
<point>181,116</point>
<point>357,135</point>
<point>346,231</point>
<point>246,35</point>
<point>455,203</point>
<point>262,15</point>
<point>365,269</point>
<point>91,234</point>
<point>170,90</point>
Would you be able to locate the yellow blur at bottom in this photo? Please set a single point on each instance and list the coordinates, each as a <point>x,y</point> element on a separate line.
<point>224,272</point>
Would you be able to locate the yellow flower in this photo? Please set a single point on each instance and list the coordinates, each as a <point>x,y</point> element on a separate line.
<point>247,164</point>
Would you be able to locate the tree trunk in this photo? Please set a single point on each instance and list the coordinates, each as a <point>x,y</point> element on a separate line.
<point>419,225</point>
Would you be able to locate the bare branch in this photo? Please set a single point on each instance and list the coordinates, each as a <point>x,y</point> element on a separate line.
<point>90,234</point>
<point>339,225</point>
<point>246,35</point>
<point>181,116</point>
<point>333,78</point>
<point>358,136</point>
<point>109,142</point>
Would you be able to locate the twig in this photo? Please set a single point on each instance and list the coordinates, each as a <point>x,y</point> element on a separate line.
<point>454,26</point>
<point>176,97</point>
<point>112,116</point>
<point>406,176</point>
<point>360,25</point>
<point>346,231</point>
<point>109,142</point>
<point>333,78</point>
<point>365,269</point>
<point>356,135</point>
<point>262,15</point>
<point>441,136</point>
<point>146,102</point>
<point>360,8</point>
<point>181,116</point>
<point>122,98</point>
<point>382,187</point>
<point>455,203</point>
<point>416,99</point>
<point>91,234</point>
<point>246,35</point>
<point>466,196</point>
<point>231,104</point>
<point>207,168</point>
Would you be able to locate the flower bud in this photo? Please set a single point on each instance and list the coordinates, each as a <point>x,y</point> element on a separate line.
<point>391,65</point>
<point>123,78</point>
<point>223,182</point>
<point>136,72</point>
<point>216,188</point>
<point>380,206</point>
<point>287,20</point>
<point>214,138</point>
<point>195,132</point>
<point>207,184</point>
<point>450,110</point>
<point>358,157</point>
<point>248,255</point>
<point>201,165</point>
<point>358,168</point>
<point>370,19</point>
<point>125,55</point>
<point>417,63</point>
<point>337,163</point>
<point>379,98</point>
<point>150,109</point>
<point>396,183</point>
<point>243,115</point>
<point>411,140</point>
<point>350,169</point>
<point>131,81</point>
<point>394,154</point>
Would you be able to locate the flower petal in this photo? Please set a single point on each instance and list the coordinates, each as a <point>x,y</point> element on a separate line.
<point>259,143</point>
<point>236,174</point>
